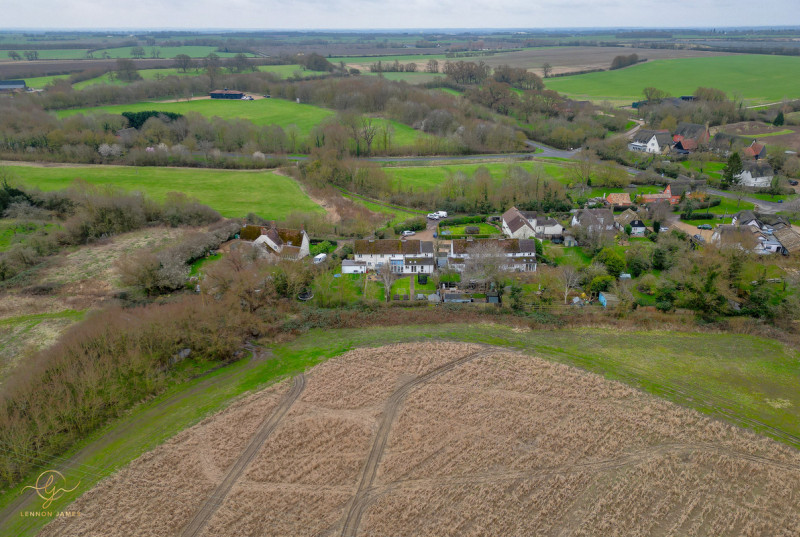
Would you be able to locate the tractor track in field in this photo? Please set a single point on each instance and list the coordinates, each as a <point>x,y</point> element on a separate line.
<point>217,497</point>
<point>363,497</point>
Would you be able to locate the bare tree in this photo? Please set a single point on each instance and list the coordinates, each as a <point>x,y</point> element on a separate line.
<point>386,277</point>
<point>581,172</point>
<point>484,261</point>
<point>547,70</point>
<point>368,132</point>
<point>432,66</point>
<point>569,278</point>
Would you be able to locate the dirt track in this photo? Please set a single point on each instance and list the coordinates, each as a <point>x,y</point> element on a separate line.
<point>448,439</point>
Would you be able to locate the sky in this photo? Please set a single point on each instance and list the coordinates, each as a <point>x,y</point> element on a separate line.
<point>394,14</point>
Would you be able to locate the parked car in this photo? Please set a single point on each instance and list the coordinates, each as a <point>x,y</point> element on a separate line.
<point>441,214</point>
<point>247,98</point>
<point>663,229</point>
<point>792,182</point>
<point>407,233</point>
<point>705,226</point>
<point>433,216</point>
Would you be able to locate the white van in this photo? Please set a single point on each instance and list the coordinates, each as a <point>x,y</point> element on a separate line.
<point>320,258</point>
<point>442,214</point>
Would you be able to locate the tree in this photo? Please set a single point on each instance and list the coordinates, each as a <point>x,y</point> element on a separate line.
<point>31,55</point>
<point>212,65</point>
<point>14,55</point>
<point>368,130</point>
<point>183,62</point>
<point>432,66</point>
<point>387,277</point>
<point>613,260</point>
<point>137,52</point>
<point>569,278</point>
<point>126,70</point>
<point>732,169</point>
<point>654,95</point>
<point>484,261</point>
<point>547,70</point>
<point>239,63</point>
<point>779,119</point>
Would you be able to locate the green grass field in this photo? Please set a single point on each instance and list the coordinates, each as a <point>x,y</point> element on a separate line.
<point>411,78</point>
<point>232,193</point>
<point>402,286</point>
<point>757,78</point>
<point>712,169</point>
<point>49,54</point>
<point>261,112</point>
<point>484,229</point>
<point>165,52</point>
<point>416,178</point>
<point>757,381</point>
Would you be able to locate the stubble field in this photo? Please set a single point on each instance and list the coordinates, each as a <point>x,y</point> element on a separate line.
<point>450,439</point>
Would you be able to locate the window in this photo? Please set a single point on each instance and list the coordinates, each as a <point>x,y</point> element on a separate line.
<point>397,265</point>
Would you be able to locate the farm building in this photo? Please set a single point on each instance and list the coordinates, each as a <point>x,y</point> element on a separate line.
<point>226,94</point>
<point>12,85</point>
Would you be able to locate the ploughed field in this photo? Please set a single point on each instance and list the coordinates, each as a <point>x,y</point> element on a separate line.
<point>449,439</point>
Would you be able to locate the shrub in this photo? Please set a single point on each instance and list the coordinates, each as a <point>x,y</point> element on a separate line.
<point>601,283</point>
<point>412,224</point>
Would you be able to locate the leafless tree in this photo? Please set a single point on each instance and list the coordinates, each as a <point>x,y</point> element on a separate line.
<point>386,277</point>
<point>368,132</point>
<point>484,261</point>
<point>432,66</point>
<point>547,70</point>
<point>569,278</point>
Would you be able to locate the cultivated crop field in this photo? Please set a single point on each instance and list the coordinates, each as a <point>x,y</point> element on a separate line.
<point>758,79</point>
<point>450,439</point>
<point>232,193</point>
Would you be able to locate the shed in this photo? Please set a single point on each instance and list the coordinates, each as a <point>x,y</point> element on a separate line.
<point>12,85</point>
<point>608,300</point>
<point>226,94</point>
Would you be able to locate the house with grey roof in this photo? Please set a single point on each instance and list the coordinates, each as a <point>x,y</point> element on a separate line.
<point>403,256</point>
<point>595,220</point>
<point>520,254</point>
<point>756,174</point>
<point>650,141</point>
<point>519,224</point>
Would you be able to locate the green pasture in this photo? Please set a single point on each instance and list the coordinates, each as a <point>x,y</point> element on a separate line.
<point>232,193</point>
<point>416,178</point>
<point>756,78</point>
<point>165,52</point>
<point>48,54</point>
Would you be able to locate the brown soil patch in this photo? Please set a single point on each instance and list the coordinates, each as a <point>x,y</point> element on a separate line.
<point>463,440</point>
<point>756,129</point>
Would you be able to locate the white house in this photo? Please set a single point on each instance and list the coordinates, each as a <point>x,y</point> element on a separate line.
<point>638,229</point>
<point>350,266</point>
<point>756,174</point>
<point>520,253</point>
<point>403,256</point>
<point>650,141</point>
<point>526,224</point>
<point>285,243</point>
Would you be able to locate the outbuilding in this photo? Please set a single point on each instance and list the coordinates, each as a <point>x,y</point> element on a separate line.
<point>353,267</point>
<point>226,94</point>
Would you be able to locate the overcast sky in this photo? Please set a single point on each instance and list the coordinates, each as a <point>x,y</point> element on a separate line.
<point>379,14</point>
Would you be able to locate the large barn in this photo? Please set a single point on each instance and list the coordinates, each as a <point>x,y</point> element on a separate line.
<point>226,94</point>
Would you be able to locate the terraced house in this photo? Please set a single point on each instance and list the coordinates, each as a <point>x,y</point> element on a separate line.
<point>403,256</point>
<point>520,254</point>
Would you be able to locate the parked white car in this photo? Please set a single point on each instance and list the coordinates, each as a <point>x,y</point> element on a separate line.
<point>407,233</point>
<point>433,216</point>
<point>441,214</point>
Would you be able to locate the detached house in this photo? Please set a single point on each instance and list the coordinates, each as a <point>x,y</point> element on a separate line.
<point>526,224</point>
<point>755,151</point>
<point>638,229</point>
<point>403,256</point>
<point>284,243</point>
<point>520,253</point>
<point>667,195</point>
<point>689,136</point>
<point>594,220</point>
<point>650,141</point>
<point>756,174</point>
